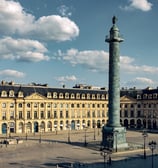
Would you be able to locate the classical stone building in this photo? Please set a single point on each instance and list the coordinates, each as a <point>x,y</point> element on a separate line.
<point>39,108</point>
<point>139,108</point>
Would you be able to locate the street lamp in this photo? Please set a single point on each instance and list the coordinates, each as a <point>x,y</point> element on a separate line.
<point>109,140</point>
<point>115,134</point>
<point>144,134</point>
<point>85,137</point>
<point>94,131</point>
<point>104,153</point>
<point>40,138</point>
<point>152,146</point>
<point>26,129</point>
<point>69,141</point>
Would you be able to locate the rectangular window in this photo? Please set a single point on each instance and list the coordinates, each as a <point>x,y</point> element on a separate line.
<point>61,114</point>
<point>55,114</point>
<point>35,115</point>
<point>93,114</point>
<point>3,105</point>
<point>132,113</point>
<point>48,114</point>
<point>103,113</point>
<point>12,115</point>
<point>67,114</point>
<point>98,113</point>
<point>20,115</point>
<point>4,115</point>
<point>28,115</point>
<point>126,113</point>
<point>42,114</point>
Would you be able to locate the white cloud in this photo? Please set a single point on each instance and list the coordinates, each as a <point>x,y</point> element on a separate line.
<point>66,78</point>
<point>22,50</point>
<point>64,11</point>
<point>92,59</point>
<point>11,73</point>
<point>96,60</point>
<point>15,20</point>
<point>143,5</point>
<point>140,82</point>
<point>55,28</point>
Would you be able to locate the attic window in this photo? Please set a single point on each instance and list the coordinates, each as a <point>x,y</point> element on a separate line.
<point>98,96</point>
<point>49,95</point>
<point>150,96</point>
<point>103,97</point>
<point>4,94</point>
<point>83,96</point>
<point>72,96</point>
<point>144,96</point>
<point>138,96</point>
<point>93,96</point>
<point>20,94</point>
<point>88,96</point>
<point>61,95</point>
<point>78,96</point>
<point>66,95</point>
<point>54,95</point>
<point>11,93</point>
<point>155,95</point>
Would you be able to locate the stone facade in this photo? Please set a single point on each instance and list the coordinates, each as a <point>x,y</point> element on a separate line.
<point>38,108</point>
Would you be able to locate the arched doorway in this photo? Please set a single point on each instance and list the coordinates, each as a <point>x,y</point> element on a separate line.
<point>144,123</point>
<point>132,123</point>
<point>126,123</point>
<point>154,124</point>
<point>139,124</point>
<point>72,125</point>
<point>36,127</point>
<point>89,123</point>
<point>98,124</point>
<point>61,125</point>
<point>42,126</point>
<point>4,128</point>
<point>149,124</point>
<point>49,126</point>
<point>21,127</point>
<point>11,127</point>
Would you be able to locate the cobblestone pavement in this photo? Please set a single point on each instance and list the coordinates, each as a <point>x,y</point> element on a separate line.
<point>54,150</point>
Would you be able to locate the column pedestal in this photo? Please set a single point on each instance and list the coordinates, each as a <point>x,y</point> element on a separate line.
<point>114,138</point>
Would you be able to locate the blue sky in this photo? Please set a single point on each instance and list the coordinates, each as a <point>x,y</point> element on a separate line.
<point>63,41</point>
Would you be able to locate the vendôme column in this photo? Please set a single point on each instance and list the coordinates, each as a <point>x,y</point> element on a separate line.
<point>113,133</point>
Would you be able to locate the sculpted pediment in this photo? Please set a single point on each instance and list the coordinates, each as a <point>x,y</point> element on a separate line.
<point>36,96</point>
<point>127,98</point>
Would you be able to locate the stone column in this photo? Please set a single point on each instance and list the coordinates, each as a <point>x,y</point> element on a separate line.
<point>113,133</point>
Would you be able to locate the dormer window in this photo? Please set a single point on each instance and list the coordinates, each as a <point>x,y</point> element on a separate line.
<point>83,96</point>
<point>11,93</point>
<point>88,96</point>
<point>155,95</point>
<point>66,95</point>
<point>144,96</point>
<point>72,96</point>
<point>93,96</point>
<point>49,95</point>
<point>20,94</point>
<point>3,93</point>
<point>103,97</point>
<point>61,96</point>
<point>98,96</point>
<point>55,95</point>
<point>150,96</point>
<point>138,96</point>
<point>77,96</point>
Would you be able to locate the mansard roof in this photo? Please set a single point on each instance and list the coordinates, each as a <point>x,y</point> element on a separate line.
<point>43,90</point>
